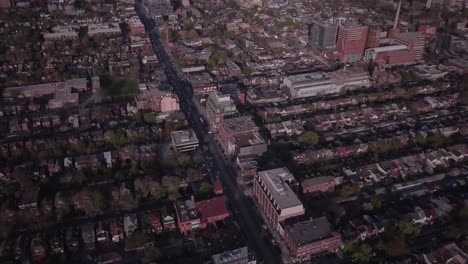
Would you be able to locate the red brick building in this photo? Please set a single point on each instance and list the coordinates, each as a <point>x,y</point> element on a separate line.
<point>188,218</point>
<point>277,200</point>
<point>307,238</point>
<point>212,211</point>
<point>351,42</point>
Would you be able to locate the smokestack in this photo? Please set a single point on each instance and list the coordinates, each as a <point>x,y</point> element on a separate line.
<point>428,4</point>
<point>395,24</point>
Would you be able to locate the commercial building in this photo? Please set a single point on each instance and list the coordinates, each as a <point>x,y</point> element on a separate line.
<point>230,127</point>
<point>323,34</point>
<point>217,107</point>
<point>247,146</point>
<point>273,192</point>
<point>351,41</point>
<point>188,218</point>
<point>236,256</point>
<point>321,83</point>
<point>38,90</point>
<point>184,140</point>
<point>158,101</point>
<point>311,237</point>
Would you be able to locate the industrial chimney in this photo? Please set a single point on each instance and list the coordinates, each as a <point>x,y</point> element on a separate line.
<point>395,24</point>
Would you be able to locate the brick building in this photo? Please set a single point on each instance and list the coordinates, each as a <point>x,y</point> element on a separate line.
<point>278,201</point>
<point>351,42</point>
<point>212,211</point>
<point>310,237</point>
<point>230,127</point>
<point>158,101</point>
<point>188,218</point>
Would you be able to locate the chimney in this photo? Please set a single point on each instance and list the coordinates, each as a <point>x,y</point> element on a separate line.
<point>428,4</point>
<point>192,198</point>
<point>397,16</point>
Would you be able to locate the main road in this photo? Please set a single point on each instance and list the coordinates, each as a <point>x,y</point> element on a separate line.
<point>246,215</point>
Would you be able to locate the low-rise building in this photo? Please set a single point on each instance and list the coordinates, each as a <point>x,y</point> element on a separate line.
<point>236,256</point>
<point>184,140</point>
<point>230,127</point>
<point>212,211</point>
<point>158,101</point>
<point>249,145</point>
<point>311,237</point>
<point>318,184</point>
<point>321,83</point>
<point>188,218</point>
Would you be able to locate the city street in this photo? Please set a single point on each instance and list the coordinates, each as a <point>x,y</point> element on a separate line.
<point>246,214</point>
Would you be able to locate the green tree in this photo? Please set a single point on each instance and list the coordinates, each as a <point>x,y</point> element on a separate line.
<point>247,71</point>
<point>437,140</point>
<point>172,185</point>
<point>206,189</point>
<point>376,202</point>
<point>309,138</point>
<point>380,97</point>
<point>89,201</point>
<point>158,192</point>
<point>149,118</point>
<point>421,139</point>
<point>151,255</point>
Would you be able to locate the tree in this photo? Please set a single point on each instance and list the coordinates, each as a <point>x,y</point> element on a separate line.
<point>89,201</point>
<point>421,139</point>
<point>151,255</point>
<point>183,160</point>
<point>172,184</point>
<point>149,118</point>
<point>205,190</point>
<point>380,97</point>
<point>376,202</point>
<point>158,192</point>
<point>437,140</point>
<point>309,138</point>
<point>310,107</point>
<point>247,71</point>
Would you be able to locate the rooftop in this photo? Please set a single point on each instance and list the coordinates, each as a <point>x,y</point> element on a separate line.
<point>231,256</point>
<point>184,136</point>
<point>212,208</point>
<point>308,77</point>
<point>308,231</point>
<point>252,138</point>
<point>186,210</point>
<point>240,124</point>
<point>276,181</point>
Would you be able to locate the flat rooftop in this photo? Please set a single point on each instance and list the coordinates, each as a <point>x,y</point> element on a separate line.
<point>308,77</point>
<point>184,137</point>
<point>239,124</point>
<point>276,181</point>
<point>187,210</point>
<point>309,231</point>
<point>231,256</point>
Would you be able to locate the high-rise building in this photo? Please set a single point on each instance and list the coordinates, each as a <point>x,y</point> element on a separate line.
<point>323,35</point>
<point>351,42</point>
<point>373,37</point>
<point>414,41</point>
